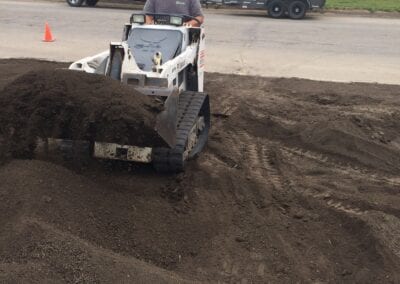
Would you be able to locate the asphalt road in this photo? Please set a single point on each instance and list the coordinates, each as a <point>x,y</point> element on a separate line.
<point>334,48</point>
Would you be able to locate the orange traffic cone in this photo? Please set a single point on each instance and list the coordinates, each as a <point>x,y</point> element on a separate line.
<point>48,36</point>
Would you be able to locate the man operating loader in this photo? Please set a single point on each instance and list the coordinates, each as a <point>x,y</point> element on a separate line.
<point>175,7</point>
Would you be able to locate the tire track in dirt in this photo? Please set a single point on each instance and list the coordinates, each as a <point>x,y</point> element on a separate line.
<point>326,198</point>
<point>259,161</point>
<point>259,166</point>
<point>383,224</point>
<point>279,180</point>
<point>342,169</point>
<point>255,157</point>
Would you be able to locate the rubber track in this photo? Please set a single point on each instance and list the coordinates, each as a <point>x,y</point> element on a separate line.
<point>172,160</point>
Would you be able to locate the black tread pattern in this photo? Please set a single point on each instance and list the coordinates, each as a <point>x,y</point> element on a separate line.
<point>172,160</point>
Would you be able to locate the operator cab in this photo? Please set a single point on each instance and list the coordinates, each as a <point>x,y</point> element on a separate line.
<point>148,41</point>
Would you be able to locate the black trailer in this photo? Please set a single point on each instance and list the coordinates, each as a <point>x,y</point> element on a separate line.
<point>294,9</point>
<point>78,3</point>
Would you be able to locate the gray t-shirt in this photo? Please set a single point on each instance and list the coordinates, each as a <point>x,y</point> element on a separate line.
<point>174,7</point>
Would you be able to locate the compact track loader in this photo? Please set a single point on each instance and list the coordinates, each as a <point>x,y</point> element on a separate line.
<point>164,60</point>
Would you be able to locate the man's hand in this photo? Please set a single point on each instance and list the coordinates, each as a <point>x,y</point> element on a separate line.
<point>194,23</point>
<point>191,23</point>
<point>149,20</point>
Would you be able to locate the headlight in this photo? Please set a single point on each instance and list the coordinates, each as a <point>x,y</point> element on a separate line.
<point>176,21</point>
<point>138,19</point>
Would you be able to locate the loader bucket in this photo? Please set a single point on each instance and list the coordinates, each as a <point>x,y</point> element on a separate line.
<point>167,119</point>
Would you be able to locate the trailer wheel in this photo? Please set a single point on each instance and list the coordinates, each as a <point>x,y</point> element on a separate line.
<point>276,9</point>
<point>297,10</point>
<point>75,3</point>
<point>91,3</point>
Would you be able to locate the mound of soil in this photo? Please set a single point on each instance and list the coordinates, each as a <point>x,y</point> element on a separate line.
<point>36,247</point>
<point>78,106</point>
<point>299,183</point>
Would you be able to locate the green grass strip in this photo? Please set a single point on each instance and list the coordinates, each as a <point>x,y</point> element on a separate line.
<point>371,5</point>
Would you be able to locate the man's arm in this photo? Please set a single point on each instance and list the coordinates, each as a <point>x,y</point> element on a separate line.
<point>149,8</point>
<point>196,11</point>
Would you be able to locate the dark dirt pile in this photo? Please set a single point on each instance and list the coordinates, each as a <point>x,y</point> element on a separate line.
<point>299,183</point>
<point>74,105</point>
<point>59,226</point>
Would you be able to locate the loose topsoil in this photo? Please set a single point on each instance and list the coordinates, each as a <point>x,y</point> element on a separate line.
<point>75,105</point>
<point>300,183</point>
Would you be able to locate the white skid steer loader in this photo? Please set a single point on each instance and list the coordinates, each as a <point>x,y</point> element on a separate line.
<point>165,60</point>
